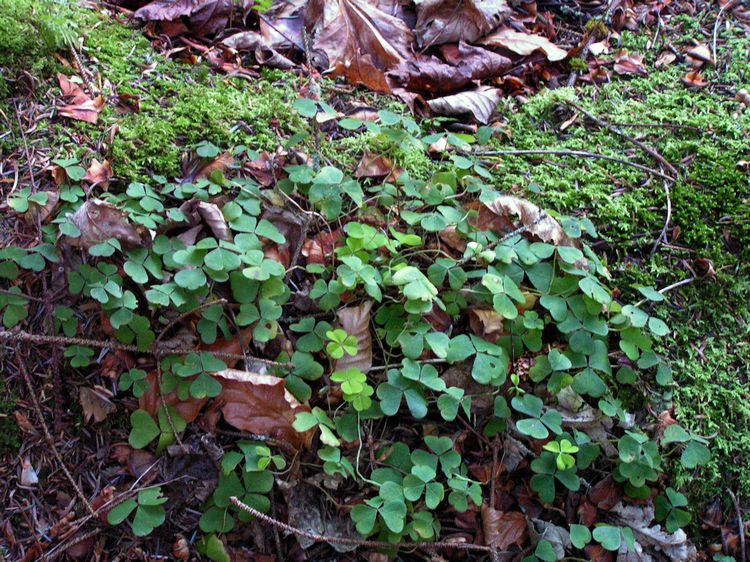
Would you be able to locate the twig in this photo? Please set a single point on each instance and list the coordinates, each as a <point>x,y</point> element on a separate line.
<point>652,152</point>
<point>579,153</point>
<point>25,146</point>
<point>714,53</point>
<point>663,234</point>
<point>740,523</point>
<point>315,94</point>
<point>48,437</point>
<point>355,542</point>
<point>670,287</point>
<point>100,344</point>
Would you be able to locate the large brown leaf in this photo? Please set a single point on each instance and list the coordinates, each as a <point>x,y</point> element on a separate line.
<point>360,41</point>
<point>509,213</point>
<point>480,103</point>
<point>99,221</point>
<point>80,105</point>
<point>524,44</point>
<point>431,76</point>
<point>281,26</point>
<point>482,63</point>
<point>355,321</point>
<point>206,16</point>
<point>261,405</point>
<point>448,21</point>
<point>503,528</point>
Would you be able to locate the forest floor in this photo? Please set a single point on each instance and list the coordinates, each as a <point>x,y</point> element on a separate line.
<point>160,107</point>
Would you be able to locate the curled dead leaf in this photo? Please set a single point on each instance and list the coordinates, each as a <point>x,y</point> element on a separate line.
<point>480,103</point>
<point>206,17</point>
<point>629,64</point>
<point>486,323</point>
<point>376,166</point>
<point>264,54</point>
<point>511,212</point>
<point>319,249</point>
<point>524,44</point>
<point>99,173</point>
<point>201,211</point>
<point>694,79</point>
<point>743,97</point>
<point>483,63</point>
<point>448,21</point>
<point>355,321</point>
<point>196,167</point>
<point>80,106</point>
<point>99,221</point>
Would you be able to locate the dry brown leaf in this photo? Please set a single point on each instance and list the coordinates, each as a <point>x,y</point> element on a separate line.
<point>376,166</point>
<point>99,221</point>
<point>665,58</point>
<point>29,476</point>
<point>355,321</point>
<point>480,103</point>
<point>743,97</point>
<point>96,403</point>
<point>483,63</point>
<point>503,528</point>
<point>429,75</point>
<point>486,323</point>
<point>629,64</point>
<point>80,105</point>
<point>699,55</point>
<point>694,79</point>
<point>260,404</point>
<point>206,16</point>
<point>360,41</point>
<point>511,212</point>
<point>524,44</point>
<point>201,211</point>
<point>99,173</point>
<point>449,21</point>
<point>281,26</point>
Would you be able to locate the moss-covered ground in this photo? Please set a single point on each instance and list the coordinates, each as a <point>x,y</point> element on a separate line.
<point>703,133</point>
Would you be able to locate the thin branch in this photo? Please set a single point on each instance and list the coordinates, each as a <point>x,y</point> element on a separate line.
<point>714,52</point>
<point>100,344</point>
<point>740,523</point>
<point>578,153</point>
<point>355,542</point>
<point>613,129</point>
<point>663,234</point>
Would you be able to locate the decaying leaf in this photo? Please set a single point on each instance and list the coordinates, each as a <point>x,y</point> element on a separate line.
<point>99,173</point>
<point>429,75</point>
<point>360,41</point>
<point>264,54</point>
<point>376,166</point>
<point>196,167</point>
<point>480,103</point>
<point>37,212</point>
<point>557,536</point>
<point>355,321</point>
<point>260,404</point>
<point>29,476</point>
<point>486,323</point>
<point>319,249</point>
<point>206,16</point>
<point>80,105</point>
<point>483,63</point>
<point>674,546</point>
<point>448,21</point>
<point>282,25</point>
<point>512,212</point>
<point>524,44</point>
<point>96,403</point>
<point>629,64</point>
<point>503,528</point>
<point>694,79</point>
<point>99,221</point>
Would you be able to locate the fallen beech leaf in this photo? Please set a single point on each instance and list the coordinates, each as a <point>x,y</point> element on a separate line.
<point>260,404</point>
<point>524,44</point>
<point>99,173</point>
<point>376,166</point>
<point>99,221</point>
<point>699,54</point>
<point>206,16</point>
<point>503,529</point>
<point>693,79</point>
<point>96,403</point>
<point>486,323</point>
<point>430,76</point>
<point>267,169</point>
<point>480,103</point>
<point>448,21</point>
<point>281,26</point>
<point>483,63</point>
<point>604,494</point>
<point>81,107</point>
<point>506,207</point>
<point>290,227</point>
<point>355,321</point>
<point>629,64</point>
<point>674,546</point>
<point>264,54</point>
<point>360,41</point>
<point>599,48</point>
